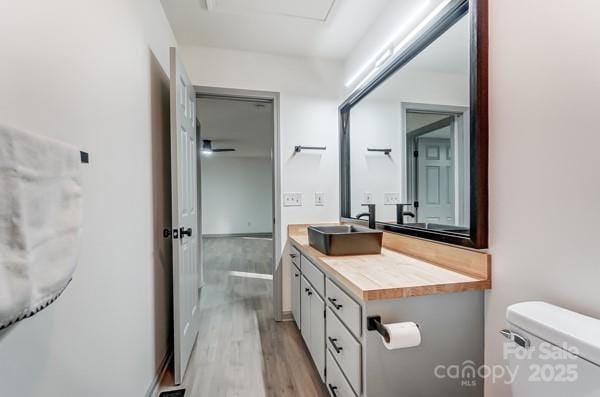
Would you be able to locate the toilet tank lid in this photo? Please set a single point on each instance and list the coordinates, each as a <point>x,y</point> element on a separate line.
<point>558,326</point>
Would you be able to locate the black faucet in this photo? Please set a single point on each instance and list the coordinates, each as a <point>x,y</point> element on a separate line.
<point>370,214</point>
<point>400,213</point>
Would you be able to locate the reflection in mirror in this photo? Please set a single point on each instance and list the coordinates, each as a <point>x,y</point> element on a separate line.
<point>409,140</point>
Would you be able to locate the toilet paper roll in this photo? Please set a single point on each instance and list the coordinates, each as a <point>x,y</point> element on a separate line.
<point>402,335</point>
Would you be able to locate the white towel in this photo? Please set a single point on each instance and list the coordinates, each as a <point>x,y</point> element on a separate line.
<point>40,221</point>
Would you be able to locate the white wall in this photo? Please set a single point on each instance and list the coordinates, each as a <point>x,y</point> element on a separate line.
<point>376,124</point>
<point>237,195</point>
<point>309,97</point>
<point>92,73</point>
<point>544,145</point>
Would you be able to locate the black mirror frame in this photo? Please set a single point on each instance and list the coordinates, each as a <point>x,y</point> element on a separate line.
<point>478,228</point>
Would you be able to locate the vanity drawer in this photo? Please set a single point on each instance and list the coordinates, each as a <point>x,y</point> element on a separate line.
<point>295,256</point>
<point>313,275</point>
<point>336,383</point>
<point>345,307</point>
<point>346,350</point>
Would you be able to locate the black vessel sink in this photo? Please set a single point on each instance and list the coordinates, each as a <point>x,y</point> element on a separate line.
<point>345,240</point>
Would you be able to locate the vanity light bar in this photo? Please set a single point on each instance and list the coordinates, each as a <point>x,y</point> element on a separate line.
<point>380,56</point>
<point>367,77</point>
<point>385,54</point>
<point>420,26</point>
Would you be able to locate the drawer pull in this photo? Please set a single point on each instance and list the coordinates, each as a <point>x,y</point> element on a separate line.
<point>337,348</point>
<point>333,300</point>
<point>332,388</point>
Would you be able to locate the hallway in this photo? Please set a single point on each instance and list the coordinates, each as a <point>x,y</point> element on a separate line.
<point>240,350</point>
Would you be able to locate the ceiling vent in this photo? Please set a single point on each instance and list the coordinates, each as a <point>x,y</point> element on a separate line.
<point>317,10</point>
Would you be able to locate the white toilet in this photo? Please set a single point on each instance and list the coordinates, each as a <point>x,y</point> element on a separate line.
<point>542,336</point>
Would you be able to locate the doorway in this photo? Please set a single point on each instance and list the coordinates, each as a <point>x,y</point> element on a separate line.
<point>436,164</point>
<point>239,184</point>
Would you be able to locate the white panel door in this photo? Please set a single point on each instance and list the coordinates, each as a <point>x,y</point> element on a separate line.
<point>436,181</point>
<point>185,215</point>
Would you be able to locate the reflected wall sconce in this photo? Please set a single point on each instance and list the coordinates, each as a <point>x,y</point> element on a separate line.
<point>298,149</point>
<point>384,151</point>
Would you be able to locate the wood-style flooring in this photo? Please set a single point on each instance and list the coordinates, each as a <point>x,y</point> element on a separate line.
<point>241,350</point>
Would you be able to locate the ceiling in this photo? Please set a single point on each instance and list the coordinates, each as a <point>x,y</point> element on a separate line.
<point>314,28</point>
<point>242,125</point>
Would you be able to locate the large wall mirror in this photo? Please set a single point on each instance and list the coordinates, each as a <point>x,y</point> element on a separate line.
<point>414,140</point>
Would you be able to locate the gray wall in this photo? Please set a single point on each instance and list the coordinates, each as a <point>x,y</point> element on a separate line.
<point>236,195</point>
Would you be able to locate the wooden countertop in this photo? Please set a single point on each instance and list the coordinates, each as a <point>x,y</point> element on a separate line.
<point>389,275</point>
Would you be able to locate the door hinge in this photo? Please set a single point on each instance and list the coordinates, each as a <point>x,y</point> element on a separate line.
<point>416,204</point>
<point>324,313</point>
<point>416,153</point>
<point>325,373</point>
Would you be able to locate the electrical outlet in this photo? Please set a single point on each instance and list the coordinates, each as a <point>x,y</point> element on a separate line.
<point>319,198</point>
<point>292,199</point>
<point>391,198</point>
<point>367,198</point>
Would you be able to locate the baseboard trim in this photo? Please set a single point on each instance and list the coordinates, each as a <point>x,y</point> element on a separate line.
<point>287,316</point>
<point>162,368</point>
<point>266,235</point>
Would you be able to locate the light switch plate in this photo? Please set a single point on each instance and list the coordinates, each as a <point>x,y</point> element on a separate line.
<point>319,199</point>
<point>367,198</point>
<point>391,198</point>
<point>291,199</point>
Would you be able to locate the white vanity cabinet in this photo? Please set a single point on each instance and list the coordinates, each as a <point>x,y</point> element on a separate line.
<point>352,361</point>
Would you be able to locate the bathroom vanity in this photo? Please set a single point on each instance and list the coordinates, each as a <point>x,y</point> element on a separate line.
<point>333,297</point>
<point>414,152</point>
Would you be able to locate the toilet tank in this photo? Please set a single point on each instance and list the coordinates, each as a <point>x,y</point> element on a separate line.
<point>552,351</point>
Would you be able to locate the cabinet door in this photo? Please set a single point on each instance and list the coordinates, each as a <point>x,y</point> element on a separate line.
<point>305,310</point>
<point>295,278</point>
<point>317,332</point>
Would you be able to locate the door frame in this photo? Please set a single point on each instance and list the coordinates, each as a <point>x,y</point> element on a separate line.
<point>461,152</point>
<point>276,183</point>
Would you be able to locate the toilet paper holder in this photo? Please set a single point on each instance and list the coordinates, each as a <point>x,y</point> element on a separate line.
<point>374,324</point>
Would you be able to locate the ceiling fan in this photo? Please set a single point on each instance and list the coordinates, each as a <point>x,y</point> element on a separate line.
<point>208,149</point>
